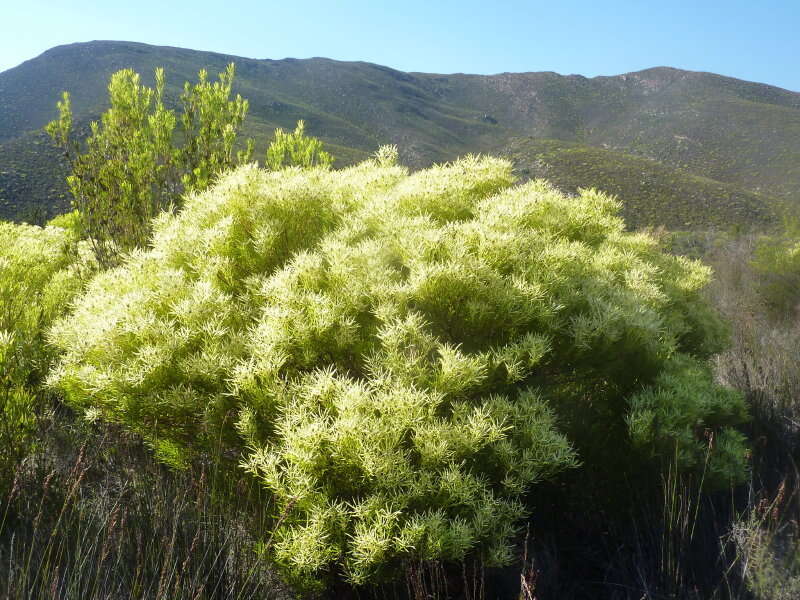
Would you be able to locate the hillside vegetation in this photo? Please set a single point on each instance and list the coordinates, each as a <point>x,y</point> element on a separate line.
<point>733,132</point>
<point>482,379</point>
<point>400,358</point>
<point>362,377</point>
<point>651,192</point>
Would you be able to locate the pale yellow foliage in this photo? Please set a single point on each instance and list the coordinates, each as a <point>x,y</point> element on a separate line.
<point>397,357</point>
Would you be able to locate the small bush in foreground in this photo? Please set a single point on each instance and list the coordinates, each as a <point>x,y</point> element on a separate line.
<point>400,358</point>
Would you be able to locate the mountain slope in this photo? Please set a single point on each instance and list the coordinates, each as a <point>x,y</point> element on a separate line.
<point>745,136</point>
<point>652,193</point>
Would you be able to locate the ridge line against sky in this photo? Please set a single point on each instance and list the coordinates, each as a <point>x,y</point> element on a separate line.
<point>735,38</point>
<point>255,58</point>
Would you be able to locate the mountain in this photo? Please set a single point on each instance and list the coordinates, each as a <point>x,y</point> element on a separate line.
<point>682,149</point>
<point>653,194</point>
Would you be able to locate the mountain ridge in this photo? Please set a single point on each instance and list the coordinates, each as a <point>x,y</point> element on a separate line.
<point>666,68</point>
<point>699,124</point>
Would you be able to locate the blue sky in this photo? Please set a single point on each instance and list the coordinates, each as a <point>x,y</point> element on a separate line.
<point>758,40</point>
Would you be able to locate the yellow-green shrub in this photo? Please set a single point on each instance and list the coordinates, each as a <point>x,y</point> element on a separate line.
<point>397,357</point>
<point>777,261</point>
<point>41,269</point>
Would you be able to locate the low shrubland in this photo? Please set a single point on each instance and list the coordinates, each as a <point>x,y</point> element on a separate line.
<point>401,360</point>
<point>754,290</point>
<point>373,382</point>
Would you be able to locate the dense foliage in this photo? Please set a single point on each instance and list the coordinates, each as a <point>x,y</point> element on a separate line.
<point>399,358</point>
<point>41,269</point>
<point>296,150</point>
<point>141,156</point>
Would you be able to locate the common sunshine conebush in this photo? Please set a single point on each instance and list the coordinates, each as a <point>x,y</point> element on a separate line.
<point>400,357</point>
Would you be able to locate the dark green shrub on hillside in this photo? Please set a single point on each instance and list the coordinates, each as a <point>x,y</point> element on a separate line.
<point>41,270</point>
<point>397,357</point>
<point>684,414</point>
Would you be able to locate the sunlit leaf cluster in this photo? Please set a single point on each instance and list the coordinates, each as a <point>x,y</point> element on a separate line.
<point>142,155</point>
<point>41,270</point>
<point>295,149</point>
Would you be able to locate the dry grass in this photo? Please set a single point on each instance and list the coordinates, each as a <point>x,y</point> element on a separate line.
<point>763,361</point>
<point>100,520</point>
